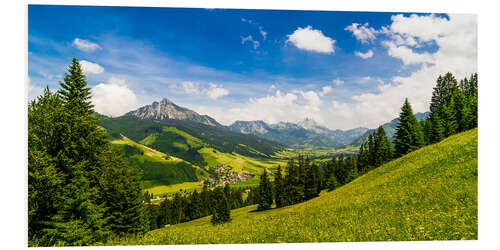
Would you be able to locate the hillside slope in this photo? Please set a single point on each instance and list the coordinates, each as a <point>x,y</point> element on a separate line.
<point>158,168</point>
<point>430,194</point>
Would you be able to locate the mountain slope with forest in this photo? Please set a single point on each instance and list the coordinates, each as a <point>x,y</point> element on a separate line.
<point>429,194</point>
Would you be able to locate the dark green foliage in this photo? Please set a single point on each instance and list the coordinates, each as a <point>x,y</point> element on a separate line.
<point>453,107</point>
<point>436,129</point>
<point>265,192</point>
<point>409,135</point>
<point>72,188</point>
<point>222,212</point>
<point>279,188</point>
<point>332,183</point>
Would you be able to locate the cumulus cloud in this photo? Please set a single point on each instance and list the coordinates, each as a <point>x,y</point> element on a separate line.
<point>311,40</point>
<point>113,98</point>
<point>190,87</point>
<point>325,90</point>
<point>337,81</point>
<point>91,68</point>
<point>251,40</point>
<point>33,90</point>
<point>456,39</point>
<point>85,45</point>
<point>279,106</point>
<point>364,55</point>
<point>362,32</point>
<point>407,55</point>
<point>215,91</point>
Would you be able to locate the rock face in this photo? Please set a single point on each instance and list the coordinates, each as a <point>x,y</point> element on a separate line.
<point>166,109</point>
<point>250,127</point>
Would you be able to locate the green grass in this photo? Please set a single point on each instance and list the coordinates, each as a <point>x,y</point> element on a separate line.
<point>429,194</point>
<point>169,189</point>
<point>158,169</point>
<point>239,163</point>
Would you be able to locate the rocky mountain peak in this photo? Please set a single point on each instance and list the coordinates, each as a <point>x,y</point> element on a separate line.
<point>166,109</point>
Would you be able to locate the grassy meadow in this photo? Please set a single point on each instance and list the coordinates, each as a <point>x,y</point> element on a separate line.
<point>429,194</point>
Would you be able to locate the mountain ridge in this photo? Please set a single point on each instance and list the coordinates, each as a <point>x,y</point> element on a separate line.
<point>166,109</point>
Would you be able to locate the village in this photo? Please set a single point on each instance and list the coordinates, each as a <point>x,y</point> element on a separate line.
<point>224,175</point>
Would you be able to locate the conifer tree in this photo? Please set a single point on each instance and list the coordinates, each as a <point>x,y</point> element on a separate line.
<point>409,135</point>
<point>437,130</point>
<point>279,187</point>
<point>265,192</point>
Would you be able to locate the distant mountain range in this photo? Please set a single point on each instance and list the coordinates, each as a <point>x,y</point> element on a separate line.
<point>258,135</point>
<point>306,133</point>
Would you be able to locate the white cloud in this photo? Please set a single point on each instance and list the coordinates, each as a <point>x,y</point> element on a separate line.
<point>263,33</point>
<point>250,39</point>
<point>325,90</point>
<point>337,81</point>
<point>312,40</point>
<point>246,20</point>
<point>113,98</point>
<point>407,55</point>
<point>215,91</point>
<point>190,87</point>
<point>364,55</point>
<point>85,45</point>
<point>456,40</point>
<point>293,106</point>
<point>363,33</point>
<point>33,90</point>
<point>91,68</point>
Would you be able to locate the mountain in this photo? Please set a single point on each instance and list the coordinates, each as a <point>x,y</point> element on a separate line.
<point>166,109</point>
<point>306,133</point>
<point>183,133</point>
<point>389,128</point>
<point>429,194</point>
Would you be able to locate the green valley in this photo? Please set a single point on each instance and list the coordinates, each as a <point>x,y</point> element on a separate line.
<point>429,194</point>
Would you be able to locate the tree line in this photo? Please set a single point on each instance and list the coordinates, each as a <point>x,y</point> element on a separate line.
<point>454,109</point>
<point>216,202</point>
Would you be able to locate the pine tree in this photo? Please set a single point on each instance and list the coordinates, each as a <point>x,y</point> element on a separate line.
<point>409,135</point>
<point>383,148</point>
<point>265,192</point>
<point>222,211</point>
<point>279,189</point>
<point>437,130</point>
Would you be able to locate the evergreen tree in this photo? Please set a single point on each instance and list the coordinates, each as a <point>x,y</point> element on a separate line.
<point>409,135</point>
<point>383,148</point>
<point>71,161</point>
<point>437,130</point>
<point>265,192</point>
<point>222,211</point>
<point>279,189</point>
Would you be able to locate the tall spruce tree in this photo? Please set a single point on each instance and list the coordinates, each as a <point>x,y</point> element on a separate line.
<point>265,192</point>
<point>279,188</point>
<point>66,144</point>
<point>409,136</point>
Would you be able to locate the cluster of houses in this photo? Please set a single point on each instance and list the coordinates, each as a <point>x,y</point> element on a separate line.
<point>225,175</point>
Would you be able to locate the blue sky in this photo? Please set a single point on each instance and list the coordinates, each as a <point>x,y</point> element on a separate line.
<point>343,69</point>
